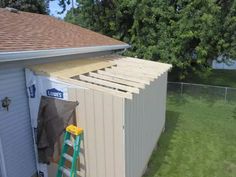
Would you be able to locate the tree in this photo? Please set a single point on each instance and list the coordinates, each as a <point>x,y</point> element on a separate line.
<point>35,6</point>
<point>187,33</point>
<point>113,18</point>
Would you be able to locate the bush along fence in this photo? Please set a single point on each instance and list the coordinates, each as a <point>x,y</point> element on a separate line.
<point>228,94</point>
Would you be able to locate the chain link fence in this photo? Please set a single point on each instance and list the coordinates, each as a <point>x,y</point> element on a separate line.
<point>201,91</point>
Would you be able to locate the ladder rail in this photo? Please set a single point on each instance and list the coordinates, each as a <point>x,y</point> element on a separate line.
<point>62,160</point>
<point>78,133</point>
<point>75,154</point>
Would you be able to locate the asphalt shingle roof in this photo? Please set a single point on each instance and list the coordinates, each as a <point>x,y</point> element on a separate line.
<point>24,31</point>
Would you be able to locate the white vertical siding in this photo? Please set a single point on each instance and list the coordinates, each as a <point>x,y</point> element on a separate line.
<point>15,126</point>
<point>101,116</point>
<point>144,122</point>
<point>120,134</point>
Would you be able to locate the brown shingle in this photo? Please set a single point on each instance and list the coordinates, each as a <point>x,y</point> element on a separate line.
<point>27,31</point>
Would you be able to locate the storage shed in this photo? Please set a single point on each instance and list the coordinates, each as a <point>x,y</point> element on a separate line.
<point>122,110</point>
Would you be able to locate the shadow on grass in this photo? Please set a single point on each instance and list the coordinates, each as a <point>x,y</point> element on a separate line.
<point>234,113</point>
<point>160,152</point>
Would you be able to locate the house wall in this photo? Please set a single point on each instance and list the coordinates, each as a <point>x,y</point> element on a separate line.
<point>2,161</point>
<point>15,128</point>
<point>144,122</point>
<point>1,164</point>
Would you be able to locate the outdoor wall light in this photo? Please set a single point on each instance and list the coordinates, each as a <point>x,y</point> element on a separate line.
<point>6,103</point>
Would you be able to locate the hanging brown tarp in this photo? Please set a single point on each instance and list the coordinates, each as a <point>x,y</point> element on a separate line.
<point>54,115</point>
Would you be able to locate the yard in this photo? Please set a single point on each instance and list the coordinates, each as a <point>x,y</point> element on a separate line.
<point>214,77</point>
<point>199,141</point>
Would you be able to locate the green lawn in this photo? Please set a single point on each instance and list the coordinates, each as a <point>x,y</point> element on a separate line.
<point>199,141</point>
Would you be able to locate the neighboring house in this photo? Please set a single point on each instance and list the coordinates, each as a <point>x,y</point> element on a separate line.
<point>28,39</point>
<point>229,65</point>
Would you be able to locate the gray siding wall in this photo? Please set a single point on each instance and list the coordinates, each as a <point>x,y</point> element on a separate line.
<point>144,122</point>
<point>15,127</point>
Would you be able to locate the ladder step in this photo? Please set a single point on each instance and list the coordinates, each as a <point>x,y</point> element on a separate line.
<point>68,157</point>
<point>65,171</point>
<point>69,143</point>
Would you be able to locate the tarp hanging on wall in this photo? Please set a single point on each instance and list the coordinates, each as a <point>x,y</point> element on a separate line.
<point>54,115</point>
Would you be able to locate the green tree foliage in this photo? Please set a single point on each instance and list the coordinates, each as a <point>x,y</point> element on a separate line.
<point>187,33</point>
<point>74,17</point>
<point>35,6</point>
<point>113,18</point>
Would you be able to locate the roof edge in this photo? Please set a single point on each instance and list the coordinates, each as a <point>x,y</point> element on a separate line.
<point>37,54</point>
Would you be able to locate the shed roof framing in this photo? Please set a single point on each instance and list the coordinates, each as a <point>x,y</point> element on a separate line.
<point>144,78</point>
<point>108,84</point>
<point>122,76</point>
<point>149,63</point>
<point>117,75</point>
<point>144,64</point>
<point>117,80</point>
<point>72,67</point>
<point>135,70</point>
<point>95,87</point>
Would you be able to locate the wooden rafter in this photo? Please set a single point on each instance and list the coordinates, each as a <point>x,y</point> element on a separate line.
<point>108,84</point>
<point>135,70</point>
<point>95,87</point>
<point>130,74</point>
<point>130,65</point>
<point>123,76</point>
<point>117,80</point>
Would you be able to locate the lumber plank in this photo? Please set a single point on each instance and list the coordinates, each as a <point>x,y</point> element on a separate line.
<point>149,69</point>
<point>148,62</point>
<point>136,70</point>
<point>131,65</point>
<point>132,62</point>
<point>142,63</point>
<point>117,80</point>
<point>108,84</point>
<point>122,76</point>
<point>72,67</point>
<point>130,74</point>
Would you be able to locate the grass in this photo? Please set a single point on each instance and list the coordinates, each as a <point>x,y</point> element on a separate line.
<point>199,141</point>
<point>214,77</point>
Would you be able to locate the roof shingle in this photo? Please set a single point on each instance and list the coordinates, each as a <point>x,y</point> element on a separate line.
<point>25,31</point>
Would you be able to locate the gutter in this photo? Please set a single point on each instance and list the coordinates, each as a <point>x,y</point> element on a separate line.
<point>38,54</point>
